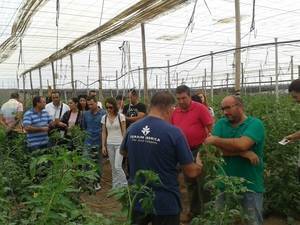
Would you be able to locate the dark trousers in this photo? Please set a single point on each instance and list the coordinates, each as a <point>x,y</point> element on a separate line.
<point>196,193</point>
<point>142,219</point>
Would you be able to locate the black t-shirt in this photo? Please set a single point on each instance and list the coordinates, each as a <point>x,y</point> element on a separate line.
<point>130,110</point>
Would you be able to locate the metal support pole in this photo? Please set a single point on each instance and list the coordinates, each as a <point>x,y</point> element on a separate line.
<point>212,77</point>
<point>205,76</point>
<point>276,70</point>
<point>227,80</point>
<point>146,97</point>
<point>238,46</point>
<point>156,82</point>
<point>24,92</point>
<point>242,71</point>
<point>53,76</point>
<point>41,82</point>
<point>169,80</point>
<point>139,73</point>
<point>31,85</point>
<point>292,68</point>
<point>18,82</point>
<point>101,98</point>
<point>299,71</point>
<point>259,81</point>
<point>117,82</point>
<point>176,79</point>
<point>72,75</point>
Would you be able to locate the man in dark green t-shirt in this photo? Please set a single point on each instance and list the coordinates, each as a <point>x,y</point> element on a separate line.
<point>241,139</point>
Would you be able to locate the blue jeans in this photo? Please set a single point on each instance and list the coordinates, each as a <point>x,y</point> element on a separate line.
<point>93,152</point>
<point>252,203</point>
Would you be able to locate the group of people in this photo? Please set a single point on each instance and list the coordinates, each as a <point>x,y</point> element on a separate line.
<point>168,134</point>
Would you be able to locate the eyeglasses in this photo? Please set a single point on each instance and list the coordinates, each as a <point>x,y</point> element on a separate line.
<point>224,108</point>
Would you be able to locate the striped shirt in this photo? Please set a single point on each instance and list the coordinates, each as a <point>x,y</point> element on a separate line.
<point>37,119</point>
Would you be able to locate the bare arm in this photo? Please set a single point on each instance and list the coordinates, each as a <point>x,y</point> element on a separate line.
<point>193,170</point>
<point>241,144</point>
<point>123,124</point>
<point>294,137</point>
<point>104,138</point>
<point>31,129</point>
<point>136,118</point>
<point>250,155</point>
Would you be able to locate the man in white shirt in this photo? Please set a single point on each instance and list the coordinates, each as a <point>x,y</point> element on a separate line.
<point>56,108</point>
<point>11,113</point>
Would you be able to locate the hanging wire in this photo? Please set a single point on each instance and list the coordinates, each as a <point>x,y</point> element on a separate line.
<point>56,23</point>
<point>191,21</point>
<point>101,14</point>
<point>252,27</point>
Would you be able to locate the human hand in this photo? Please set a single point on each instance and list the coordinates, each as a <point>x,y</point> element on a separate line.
<point>210,140</point>
<point>251,156</point>
<point>104,151</point>
<point>198,160</point>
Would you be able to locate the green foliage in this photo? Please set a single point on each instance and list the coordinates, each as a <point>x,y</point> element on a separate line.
<point>44,187</point>
<point>280,119</point>
<point>139,192</point>
<point>215,180</point>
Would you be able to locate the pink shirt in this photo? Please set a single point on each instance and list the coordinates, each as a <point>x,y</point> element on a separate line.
<point>193,122</point>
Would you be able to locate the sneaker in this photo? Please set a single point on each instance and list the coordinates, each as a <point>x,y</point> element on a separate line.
<point>97,187</point>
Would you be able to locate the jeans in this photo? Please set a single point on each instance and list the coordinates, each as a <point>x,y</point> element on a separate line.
<point>93,153</point>
<point>115,158</point>
<point>252,203</point>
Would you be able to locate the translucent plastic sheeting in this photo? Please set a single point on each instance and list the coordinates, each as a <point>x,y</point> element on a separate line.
<point>168,37</point>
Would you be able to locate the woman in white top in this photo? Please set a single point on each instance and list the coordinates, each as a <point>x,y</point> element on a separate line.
<point>113,131</point>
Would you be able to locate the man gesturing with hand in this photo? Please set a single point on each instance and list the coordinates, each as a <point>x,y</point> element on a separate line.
<point>241,139</point>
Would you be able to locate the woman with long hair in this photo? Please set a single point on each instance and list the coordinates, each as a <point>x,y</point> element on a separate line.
<point>82,106</point>
<point>113,131</point>
<point>73,116</point>
<point>203,98</point>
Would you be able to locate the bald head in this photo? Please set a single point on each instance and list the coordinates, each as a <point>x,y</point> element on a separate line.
<point>232,99</point>
<point>233,108</point>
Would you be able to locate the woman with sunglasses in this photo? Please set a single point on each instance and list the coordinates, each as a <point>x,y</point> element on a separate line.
<point>113,131</point>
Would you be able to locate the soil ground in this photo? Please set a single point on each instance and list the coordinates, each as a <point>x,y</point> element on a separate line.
<point>108,206</point>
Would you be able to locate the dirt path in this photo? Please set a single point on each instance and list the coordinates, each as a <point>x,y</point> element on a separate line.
<point>108,206</point>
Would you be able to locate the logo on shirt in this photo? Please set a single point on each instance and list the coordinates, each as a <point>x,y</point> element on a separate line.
<point>146,130</point>
<point>144,138</point>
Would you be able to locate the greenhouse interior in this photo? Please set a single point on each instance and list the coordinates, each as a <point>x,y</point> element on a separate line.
<point>91,92</point>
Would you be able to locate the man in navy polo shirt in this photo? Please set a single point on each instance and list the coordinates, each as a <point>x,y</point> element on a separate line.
<point>36,123</point>
<point>154,144</point>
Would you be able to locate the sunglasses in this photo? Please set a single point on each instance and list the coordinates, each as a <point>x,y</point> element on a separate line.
<point>109,107</point>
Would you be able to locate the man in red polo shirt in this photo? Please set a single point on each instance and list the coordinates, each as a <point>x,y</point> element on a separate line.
<point>196,123</point>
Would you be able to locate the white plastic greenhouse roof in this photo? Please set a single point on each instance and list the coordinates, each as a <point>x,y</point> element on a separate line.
<point>168,37</point>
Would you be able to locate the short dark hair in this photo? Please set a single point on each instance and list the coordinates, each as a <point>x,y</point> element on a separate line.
<point>183,89</point>
<point>14,95</point>
<point>75,100</point>
<point>92,91</point>
<point>162,100</point>
<point>120,97</point>
<point>196,98</point>
<point>55,92</point>
<point>91,98</point>
<point>133,92</point>
<point>36,100</point>
<point>295,86</point>
<point>113,102</point>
